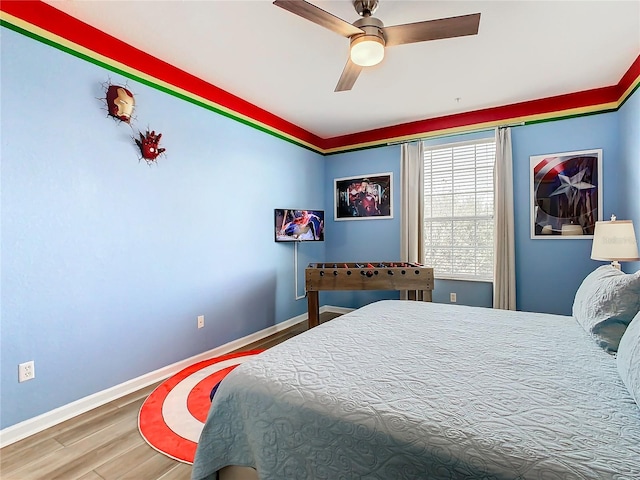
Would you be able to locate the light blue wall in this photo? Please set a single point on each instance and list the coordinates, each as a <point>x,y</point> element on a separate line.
<point>106,261</point>
<point>379,240</point>
<point>361,240</point>
<point>476,294</point>
<point>630,166</point>
<point>548,272</point>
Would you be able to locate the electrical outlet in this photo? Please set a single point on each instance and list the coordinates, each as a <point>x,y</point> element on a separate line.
<point>453,298</point>
<point>26,371</point>
<point>200,321</point>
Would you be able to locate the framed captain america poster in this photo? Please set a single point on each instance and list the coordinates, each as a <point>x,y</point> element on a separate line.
<point>566,194</point>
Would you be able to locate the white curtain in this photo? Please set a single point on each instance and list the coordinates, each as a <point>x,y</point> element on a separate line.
<point>504,269</point>
<point>412,202</point>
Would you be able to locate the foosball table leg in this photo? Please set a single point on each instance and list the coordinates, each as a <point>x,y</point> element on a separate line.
<point>313,307</point>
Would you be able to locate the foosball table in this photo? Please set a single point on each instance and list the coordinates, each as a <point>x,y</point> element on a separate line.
<point>416,279</point>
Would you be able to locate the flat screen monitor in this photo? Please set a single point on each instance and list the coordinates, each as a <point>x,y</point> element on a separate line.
<point>298,225</point>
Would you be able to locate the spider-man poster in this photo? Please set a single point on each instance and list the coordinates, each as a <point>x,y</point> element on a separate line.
<point>364,197</point>
<point>566,194</point>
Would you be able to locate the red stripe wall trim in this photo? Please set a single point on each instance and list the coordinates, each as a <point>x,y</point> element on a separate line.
<point>59,23</point>
<point>54,21</point>
<point>543,106</point>
<point>627,80</point>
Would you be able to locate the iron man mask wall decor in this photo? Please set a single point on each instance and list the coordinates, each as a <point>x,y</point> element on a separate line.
<point>120,102</point>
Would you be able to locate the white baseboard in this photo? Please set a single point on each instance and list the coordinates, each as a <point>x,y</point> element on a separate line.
<point>37,424</point>
<point>334,309</point>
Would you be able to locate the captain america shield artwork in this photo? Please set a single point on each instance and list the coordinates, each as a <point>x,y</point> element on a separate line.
<point>566,194</point>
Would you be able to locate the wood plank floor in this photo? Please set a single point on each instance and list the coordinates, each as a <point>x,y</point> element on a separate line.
<point>104,443</point>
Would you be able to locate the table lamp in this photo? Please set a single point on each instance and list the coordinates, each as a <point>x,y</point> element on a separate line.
<point>614,240</point>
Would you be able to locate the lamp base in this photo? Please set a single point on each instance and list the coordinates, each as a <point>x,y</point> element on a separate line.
<point>616,264</point>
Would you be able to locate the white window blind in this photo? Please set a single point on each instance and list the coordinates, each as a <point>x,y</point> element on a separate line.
<point>458,209</point>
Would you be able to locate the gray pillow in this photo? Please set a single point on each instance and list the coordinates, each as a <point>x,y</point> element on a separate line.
<point>629,358</point>
<point>605,304</point>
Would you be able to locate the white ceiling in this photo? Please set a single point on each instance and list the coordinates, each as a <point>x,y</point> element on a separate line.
<point>280,62</point>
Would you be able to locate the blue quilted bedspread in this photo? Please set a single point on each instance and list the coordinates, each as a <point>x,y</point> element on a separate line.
<point>413,390</point>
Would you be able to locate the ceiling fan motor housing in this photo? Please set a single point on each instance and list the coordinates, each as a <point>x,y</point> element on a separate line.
<point>371,26</point>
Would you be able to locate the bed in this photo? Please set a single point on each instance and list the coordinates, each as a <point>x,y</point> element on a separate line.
<point>417,390</point>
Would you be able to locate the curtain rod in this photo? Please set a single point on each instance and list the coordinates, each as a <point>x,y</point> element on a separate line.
<point>399,142</point>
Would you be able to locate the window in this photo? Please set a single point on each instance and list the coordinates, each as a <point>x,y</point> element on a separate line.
<point>458,209</point>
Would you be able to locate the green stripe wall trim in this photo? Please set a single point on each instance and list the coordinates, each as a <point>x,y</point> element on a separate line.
<point>228,113</point>
<point>575,115</point>
<point>151,84</point>
<point>628,96</point>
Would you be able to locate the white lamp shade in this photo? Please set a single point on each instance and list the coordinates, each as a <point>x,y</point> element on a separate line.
<point>615,240</point>
<point>367,50</point>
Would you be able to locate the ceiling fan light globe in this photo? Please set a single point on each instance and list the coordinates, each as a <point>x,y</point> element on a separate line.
<point>367,50</point>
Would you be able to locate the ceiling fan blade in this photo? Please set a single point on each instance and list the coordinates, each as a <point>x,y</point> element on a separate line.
<point>432,29</point>
<point>348,77</point>
<point>317,15</point>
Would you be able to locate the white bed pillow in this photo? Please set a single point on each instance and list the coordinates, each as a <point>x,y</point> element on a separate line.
<point>605,304</point>
<point>629,358</point>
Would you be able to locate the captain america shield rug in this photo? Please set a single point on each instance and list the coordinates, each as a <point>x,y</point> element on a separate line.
<point>172,417</point>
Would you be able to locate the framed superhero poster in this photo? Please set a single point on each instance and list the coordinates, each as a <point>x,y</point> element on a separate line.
<point>566,194</point>
<point>365,197</point>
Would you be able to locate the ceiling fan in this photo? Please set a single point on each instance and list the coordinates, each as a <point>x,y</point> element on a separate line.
<point>368,36</point>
